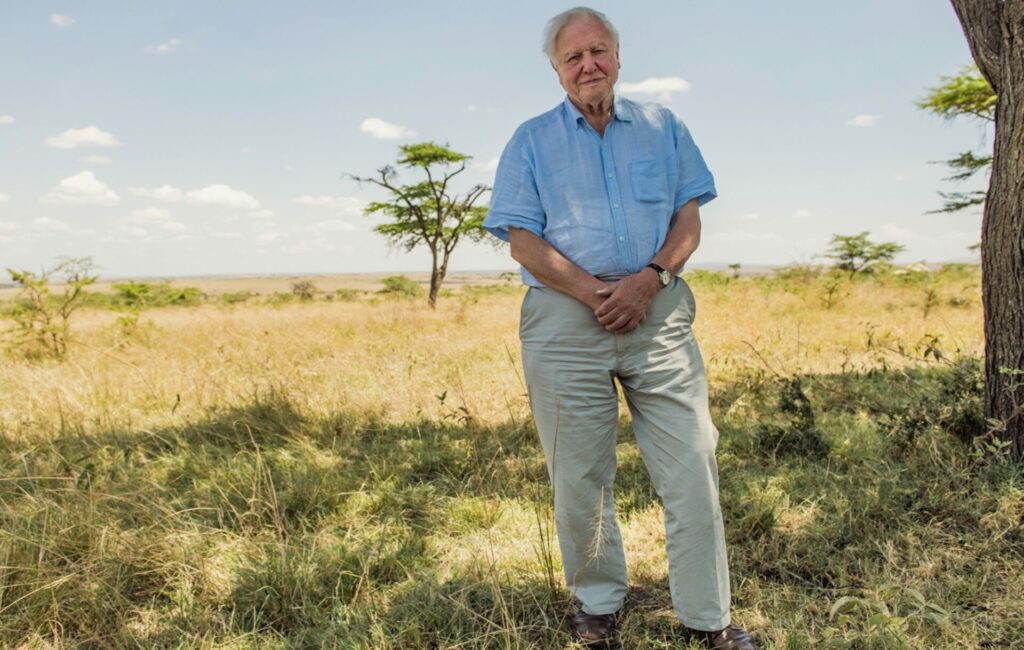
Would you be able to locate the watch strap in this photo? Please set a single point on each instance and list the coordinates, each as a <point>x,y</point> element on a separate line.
<point>664,277</point>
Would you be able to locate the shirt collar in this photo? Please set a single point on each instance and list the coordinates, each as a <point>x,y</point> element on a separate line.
<point>620,109</point>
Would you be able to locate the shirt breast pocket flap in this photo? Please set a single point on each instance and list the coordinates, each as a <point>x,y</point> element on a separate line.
<point>649,179</point>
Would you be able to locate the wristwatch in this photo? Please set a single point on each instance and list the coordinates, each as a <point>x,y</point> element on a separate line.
<point>664,277</point>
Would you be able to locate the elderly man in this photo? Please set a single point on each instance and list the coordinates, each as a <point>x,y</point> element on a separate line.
<point>599,200</point>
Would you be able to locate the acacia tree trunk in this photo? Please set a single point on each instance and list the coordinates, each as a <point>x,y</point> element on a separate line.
<point>995,33</point>
<point>436,278</point>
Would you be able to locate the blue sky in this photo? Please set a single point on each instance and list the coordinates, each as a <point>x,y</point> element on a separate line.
<point>206,137</point>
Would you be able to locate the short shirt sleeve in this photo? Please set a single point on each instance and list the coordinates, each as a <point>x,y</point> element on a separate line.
<point>694,179</point>
<point>515,200</point>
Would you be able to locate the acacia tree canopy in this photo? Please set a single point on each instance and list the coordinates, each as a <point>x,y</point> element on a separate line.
<point>966,94</point>
<point>856,253</point>
<point>426,213</point>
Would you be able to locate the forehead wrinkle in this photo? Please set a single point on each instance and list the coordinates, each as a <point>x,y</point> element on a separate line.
<point>605,39</point>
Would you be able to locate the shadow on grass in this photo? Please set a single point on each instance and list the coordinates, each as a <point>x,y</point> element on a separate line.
<point>259,520</point>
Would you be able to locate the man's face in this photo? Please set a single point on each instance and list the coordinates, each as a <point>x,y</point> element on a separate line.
<point>587,61</point>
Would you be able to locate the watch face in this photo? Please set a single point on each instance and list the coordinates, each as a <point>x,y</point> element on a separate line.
<point>665,278</point>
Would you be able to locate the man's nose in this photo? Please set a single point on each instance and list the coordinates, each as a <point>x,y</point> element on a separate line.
<point>589,62</point>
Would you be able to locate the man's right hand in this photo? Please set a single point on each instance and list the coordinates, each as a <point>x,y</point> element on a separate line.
<point>552,268</point>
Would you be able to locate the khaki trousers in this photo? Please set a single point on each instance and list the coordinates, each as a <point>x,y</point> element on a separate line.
<point>571,363</point>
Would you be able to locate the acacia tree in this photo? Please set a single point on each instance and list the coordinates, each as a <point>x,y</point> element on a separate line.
<point>995,35</point>
<point>856,254</point>
<point>966,94</point>
<point>424,213</point>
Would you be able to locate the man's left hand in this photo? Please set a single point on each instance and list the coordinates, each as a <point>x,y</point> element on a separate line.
<point>626,301</point>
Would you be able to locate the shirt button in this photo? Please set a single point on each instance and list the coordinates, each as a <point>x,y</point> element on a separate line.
<point>615,205</point>
<point>622,239</point>
<point>610,174</point>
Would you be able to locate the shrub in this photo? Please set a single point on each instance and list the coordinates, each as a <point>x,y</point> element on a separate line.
<point>138,295</point>
<point>400,285</point>
<point>343,295</point>
<point>44,319</point>
<point>281,297</point>
<point>304,289</point>
<point>701,277</point>
<point>235,297</point>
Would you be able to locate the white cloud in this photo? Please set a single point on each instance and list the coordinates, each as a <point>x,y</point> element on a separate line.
<point>134,231</point>
<point>269,236</point>
<point>82,189</point>
<point>802,213</point>
<point>95,160</point>
<point>6,119</point>
<point>174,226</point>
<point>222,195</point>
<point>378,128</point>
<point>9,225</point>
<point>222,234</point>
<point>164,48</point>
<point>262,214</point>
<point>4,198</point>
<point>489,166</point>
<point>60,20</point>
<point>150,215</point>
<point>88,136</point>
<point>471,108</point>
<point>750,216</point>
<point>864,119</point>
<point>331,225</point>
<point>346,204</point>
<point>162,193</point>
<point>663,87</point>
<point>52,225</point>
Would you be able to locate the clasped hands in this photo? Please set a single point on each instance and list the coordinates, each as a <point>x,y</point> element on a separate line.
<point>622,305</point>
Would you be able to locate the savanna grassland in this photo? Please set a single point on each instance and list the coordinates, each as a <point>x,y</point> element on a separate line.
<point>363,473</point>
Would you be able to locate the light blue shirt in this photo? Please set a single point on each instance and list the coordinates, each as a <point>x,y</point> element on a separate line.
<point>604,203</point>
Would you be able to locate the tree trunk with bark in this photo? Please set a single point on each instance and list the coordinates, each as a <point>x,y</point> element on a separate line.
<point>436,279</point>
<point>995,34</point>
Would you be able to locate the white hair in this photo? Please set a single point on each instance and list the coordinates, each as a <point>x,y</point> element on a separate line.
<point>558,23</point>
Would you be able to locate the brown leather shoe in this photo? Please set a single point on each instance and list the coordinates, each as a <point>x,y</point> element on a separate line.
<point>594,630</point>
<point>731,638</point>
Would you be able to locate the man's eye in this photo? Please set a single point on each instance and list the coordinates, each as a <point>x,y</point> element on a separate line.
<point>574,58</point>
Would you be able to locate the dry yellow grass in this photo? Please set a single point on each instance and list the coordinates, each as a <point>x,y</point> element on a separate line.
<point>395,357</point>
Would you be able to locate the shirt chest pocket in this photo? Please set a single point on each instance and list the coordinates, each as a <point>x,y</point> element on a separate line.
<point>649,180</point>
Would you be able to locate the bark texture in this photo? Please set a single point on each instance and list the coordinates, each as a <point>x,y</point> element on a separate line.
<point>995,33</point>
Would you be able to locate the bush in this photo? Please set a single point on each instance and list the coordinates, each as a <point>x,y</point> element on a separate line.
<point>343,295</point>
<point>400,285</point>
<point>700,277</point>
<point>235,297</point>
<point>281,297</point>
<point>44,319</point>
<point>138,295</point>
<point>304,289</point>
